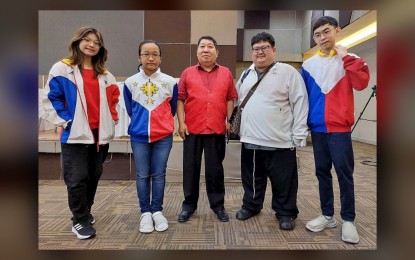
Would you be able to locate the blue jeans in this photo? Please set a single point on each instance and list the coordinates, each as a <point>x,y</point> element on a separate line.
<point>335,149</point>
<point>151,163</point>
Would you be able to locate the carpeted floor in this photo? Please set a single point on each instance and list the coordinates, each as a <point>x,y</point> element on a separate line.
<point>117,215</point>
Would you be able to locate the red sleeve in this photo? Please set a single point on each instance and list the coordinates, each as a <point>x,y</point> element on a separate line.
<point>357,71</point>
<point>232,93</point>
<point>112,96</point>
<point>182,88</point>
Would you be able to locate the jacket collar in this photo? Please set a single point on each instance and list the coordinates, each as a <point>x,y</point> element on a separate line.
<point>321,54</point>
<point>155,74</point>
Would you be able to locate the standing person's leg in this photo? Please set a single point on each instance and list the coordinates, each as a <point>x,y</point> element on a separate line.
<point>159,157</point>
<point>282,171</point>
<point>341,150</point>
<point>142,153</point>
<point>96,159</point>
<point>75,174</point>
<point>192,159</point>
<point>254,183</point>
<point>214,147</point>
<point>323,164</point>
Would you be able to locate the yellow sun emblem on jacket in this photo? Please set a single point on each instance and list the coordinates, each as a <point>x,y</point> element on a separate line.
<point>149,89</point>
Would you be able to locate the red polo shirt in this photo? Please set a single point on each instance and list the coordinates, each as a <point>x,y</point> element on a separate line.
<point>205,95</point>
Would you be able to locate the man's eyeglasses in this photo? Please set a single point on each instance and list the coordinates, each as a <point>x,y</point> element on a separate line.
<point>262,48</point>
<point>88,41</point>
<point>147,55</point>
<point>325,33</point>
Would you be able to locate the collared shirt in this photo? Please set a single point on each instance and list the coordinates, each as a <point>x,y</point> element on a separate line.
<point>206,94</point>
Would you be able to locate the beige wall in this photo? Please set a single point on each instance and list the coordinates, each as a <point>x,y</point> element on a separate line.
<point>221,25</point>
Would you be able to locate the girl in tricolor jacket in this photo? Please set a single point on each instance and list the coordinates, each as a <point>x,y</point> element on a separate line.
<point>150,99</point>
<point>80,96</point>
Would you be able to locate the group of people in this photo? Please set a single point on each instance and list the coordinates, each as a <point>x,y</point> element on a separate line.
<point>81,96</point>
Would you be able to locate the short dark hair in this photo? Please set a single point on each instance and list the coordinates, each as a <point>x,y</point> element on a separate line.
<point>207,37</point>
<point>148,41</point>
<point>325,20</point>
<point>264,36</point>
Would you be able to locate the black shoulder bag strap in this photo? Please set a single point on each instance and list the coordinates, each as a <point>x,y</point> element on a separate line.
<point>254,87</point>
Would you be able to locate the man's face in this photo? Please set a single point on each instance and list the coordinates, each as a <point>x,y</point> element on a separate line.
<point>207,52</point>
<point>263,54</point>
<point>325,36</point>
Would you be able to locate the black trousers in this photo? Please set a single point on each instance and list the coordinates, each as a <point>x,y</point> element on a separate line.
<point>82,169</point>
<point>280,166</point>
<point>213,147</point>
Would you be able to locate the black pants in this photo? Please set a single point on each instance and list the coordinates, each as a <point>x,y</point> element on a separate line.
<point>213,147</point>
<point>280,166</point>
<point>82,169</point>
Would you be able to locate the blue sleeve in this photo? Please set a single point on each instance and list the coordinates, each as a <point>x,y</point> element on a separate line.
<point>128,100</point>
<point>58,97</point>
<point>173,100</point>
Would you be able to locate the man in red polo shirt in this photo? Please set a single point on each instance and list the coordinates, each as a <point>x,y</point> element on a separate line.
<point>206,99</point>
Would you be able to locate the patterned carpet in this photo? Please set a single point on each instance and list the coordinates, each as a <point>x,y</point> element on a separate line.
<point>117,216</point>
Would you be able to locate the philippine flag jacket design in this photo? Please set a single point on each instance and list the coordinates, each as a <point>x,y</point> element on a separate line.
<point>151,104</point>
<point>330,81</point>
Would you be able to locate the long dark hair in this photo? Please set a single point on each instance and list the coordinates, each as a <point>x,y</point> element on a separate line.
<point>76,56</point>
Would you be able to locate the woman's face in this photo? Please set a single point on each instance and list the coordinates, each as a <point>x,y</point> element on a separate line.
<point>150,58</point>
<point>90,45</point>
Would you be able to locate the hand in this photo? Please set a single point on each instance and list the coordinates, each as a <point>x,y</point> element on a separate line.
<point>183,131</point>
<point>67,124</point>
<point>228,126</point>
<point>341,50</point>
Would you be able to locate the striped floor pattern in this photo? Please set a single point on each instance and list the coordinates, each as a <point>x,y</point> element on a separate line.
<point>117,216</point>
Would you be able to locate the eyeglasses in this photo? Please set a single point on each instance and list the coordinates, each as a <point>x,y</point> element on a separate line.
<point>262,48</point>
<point>88,41</point>
<point>147,55</point>
<point>325,33</point>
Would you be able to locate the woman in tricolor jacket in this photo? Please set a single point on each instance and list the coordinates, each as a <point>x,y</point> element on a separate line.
<point>80,96</point>
<point>151,99</point>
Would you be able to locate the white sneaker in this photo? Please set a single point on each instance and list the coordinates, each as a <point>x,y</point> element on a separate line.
<point>320,223</point>
<point>146,223</point>
<point>349,232</point>
<point>160,222</point>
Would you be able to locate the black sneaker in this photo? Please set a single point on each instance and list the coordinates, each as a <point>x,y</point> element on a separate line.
<point>83,230</point>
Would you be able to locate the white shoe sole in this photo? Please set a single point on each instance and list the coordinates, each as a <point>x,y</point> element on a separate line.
<point>350,240</point>
<point>146,231</point>
<point>320,228</point>
<point>162,228</point>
